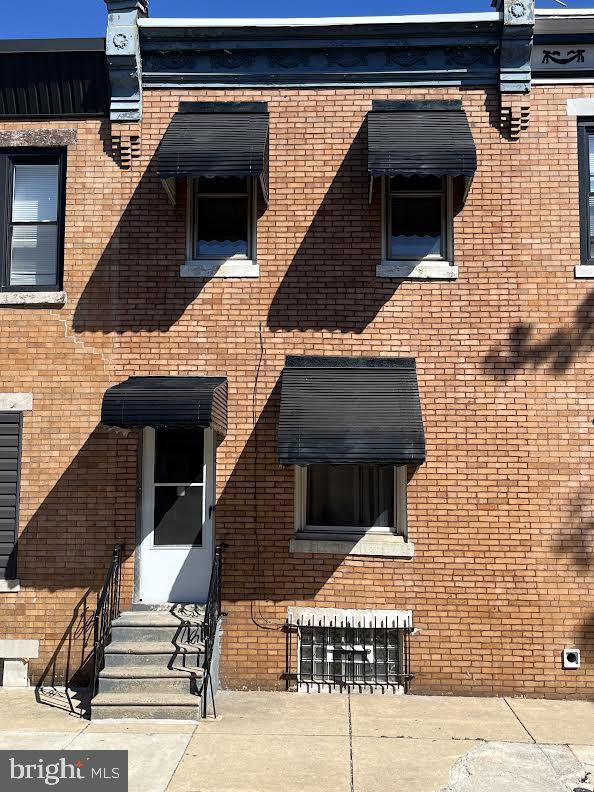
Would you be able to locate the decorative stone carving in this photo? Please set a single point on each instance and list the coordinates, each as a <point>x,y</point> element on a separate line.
<point>465,56</point>
<point>123,57</point>
<point>287,59</point>
<point>226,59</point>
<point>405,56</point>
<point>346,58</point>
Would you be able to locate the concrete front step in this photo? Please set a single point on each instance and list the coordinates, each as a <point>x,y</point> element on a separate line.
<point>169,706</point>
<point>157,618</point>
<point>162,654</point>
<point>150,679</point>
<point>129,633</point>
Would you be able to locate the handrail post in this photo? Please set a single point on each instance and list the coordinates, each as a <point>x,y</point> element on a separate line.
<point>108,609</point>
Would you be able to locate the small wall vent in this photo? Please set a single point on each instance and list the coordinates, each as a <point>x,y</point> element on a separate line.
<point>572,658</point>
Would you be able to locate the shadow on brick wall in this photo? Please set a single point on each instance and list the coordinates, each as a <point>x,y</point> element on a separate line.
<point>65,549</point>
<point>555,352</point>
<point>330,283</point>
<point>136,284</point>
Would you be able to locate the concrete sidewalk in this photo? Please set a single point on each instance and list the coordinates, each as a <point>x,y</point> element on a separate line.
<point>276,741</point>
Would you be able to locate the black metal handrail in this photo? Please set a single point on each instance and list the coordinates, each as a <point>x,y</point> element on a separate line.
<point>212,614</point>
<point>108,609</point>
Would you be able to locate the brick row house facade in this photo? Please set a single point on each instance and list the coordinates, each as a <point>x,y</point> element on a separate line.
<point>318,292</point>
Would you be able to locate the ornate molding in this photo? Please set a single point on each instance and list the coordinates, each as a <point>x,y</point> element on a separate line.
<point>122,46</point>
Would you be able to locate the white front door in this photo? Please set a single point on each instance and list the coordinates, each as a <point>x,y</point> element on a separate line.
<point>176,543</point>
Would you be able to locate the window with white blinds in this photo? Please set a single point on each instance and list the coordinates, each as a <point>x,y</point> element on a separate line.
<point>35,217</point>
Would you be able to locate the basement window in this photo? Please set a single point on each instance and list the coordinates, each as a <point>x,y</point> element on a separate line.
<point>342,649</point>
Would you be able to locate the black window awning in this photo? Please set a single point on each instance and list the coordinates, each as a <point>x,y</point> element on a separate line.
<point>215,139</point>
<point>167,401</point>
<point>350,410</point>
<point>430,138</point>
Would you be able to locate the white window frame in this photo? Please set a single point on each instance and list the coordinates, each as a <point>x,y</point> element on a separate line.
<point>326,532</point>
<point>438,266</point>
<point>236,266</point>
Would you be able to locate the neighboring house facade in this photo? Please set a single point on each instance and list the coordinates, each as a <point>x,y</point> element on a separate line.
<point>347,263</point>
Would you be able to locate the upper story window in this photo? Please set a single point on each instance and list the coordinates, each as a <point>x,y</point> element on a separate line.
<point>586,166</point>
<point>31,242</point>
<point>222,221</point>
<point>417,219</point>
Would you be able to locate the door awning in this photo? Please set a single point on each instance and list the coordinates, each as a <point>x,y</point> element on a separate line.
<point>215,139</point>
<point>167,401</point>
<point>343,410</point>
<point>430,138</point>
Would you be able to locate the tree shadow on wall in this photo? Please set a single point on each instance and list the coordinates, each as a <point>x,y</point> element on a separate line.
<point>136,285</point>
<point>576,537</point>
<point>66,547</point>
<point>330,283</point>
<point>556,352</point>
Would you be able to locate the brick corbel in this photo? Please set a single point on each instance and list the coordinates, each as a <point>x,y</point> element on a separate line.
<point>125,143</point>
<point>514,114</point>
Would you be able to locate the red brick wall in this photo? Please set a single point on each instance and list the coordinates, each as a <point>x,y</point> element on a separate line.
<point>500,514</point>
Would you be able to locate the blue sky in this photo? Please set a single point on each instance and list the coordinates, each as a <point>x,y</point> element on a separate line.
<point>51,18</point>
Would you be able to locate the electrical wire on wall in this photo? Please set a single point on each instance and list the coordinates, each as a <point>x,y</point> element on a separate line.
<point>258,619</point>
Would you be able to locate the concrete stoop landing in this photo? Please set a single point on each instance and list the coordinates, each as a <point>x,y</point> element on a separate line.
<point>153,665</point>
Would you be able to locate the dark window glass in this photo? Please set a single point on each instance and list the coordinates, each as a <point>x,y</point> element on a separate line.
<point>415,183</point>
<point>178,516</point>
<point>350,496</point>
<point>32,253</point>
<point>415,222</point>
<point>231,184</point>
<point>222,216</point>
<point>179,456</point>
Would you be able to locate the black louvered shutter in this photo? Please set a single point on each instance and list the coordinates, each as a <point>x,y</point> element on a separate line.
<point>10,456</point>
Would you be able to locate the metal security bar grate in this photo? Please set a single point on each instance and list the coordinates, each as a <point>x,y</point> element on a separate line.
<point>330,649</point>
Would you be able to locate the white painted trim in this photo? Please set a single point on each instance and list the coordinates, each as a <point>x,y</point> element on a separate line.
<point>323,534</point>
<point>230,268</point>
<point>584,271</point>
<point>355,617</point>
<point>16,402</point>
<point>420,19</point>
<point>37,298</point>
<point>564,12</point>
<point>18,648</point>
<point>423,270</point>
<point>580,107</point>
<point>432,267</point>
<point>233,267</point>
<point>369,545</point>
<point>10,586</point>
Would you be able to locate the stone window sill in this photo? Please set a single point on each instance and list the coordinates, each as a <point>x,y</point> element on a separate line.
<point>231,268</point>
<point>417,270</point>
<point>584,271</point>
<point>10,586</point>
<point>49,299</point>
<point>378,545</point>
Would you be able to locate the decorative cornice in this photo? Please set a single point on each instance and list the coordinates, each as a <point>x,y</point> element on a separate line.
<point>516,45</point>
<point>123,56</point>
